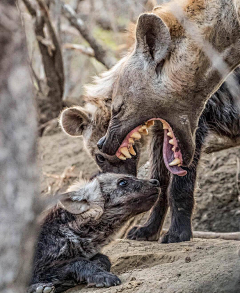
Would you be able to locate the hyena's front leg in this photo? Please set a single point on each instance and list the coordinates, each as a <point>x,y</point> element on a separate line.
<point>152,228</point>
<point>181,196</point>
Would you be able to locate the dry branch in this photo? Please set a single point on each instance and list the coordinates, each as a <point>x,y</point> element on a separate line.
<point>84,50</point>
<point>52,60</point>
<point>215,235</point>
<point>101,54</point>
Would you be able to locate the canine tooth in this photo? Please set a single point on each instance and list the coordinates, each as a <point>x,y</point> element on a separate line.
<point>142,128</point>
<point>165,126</point>
<point>150,123</point>
<point>175,162</point>
<point>125,152</point>
<point>170,134</point>
<point>131,140</point>
<point>145,132</point>
<point>132,151</point>
<point>136,135</point>
<point>121,157</point>
<point>173,149</point>
<point>171,141</point>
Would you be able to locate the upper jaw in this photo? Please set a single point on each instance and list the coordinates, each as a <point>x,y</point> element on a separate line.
<point>112,142</point>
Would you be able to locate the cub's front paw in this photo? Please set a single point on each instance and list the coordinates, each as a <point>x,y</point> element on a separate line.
<point>42,288</point>
<point>103,279</point>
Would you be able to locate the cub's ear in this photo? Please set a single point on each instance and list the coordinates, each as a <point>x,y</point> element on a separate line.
<point>152,36</point>
<point>75,204</point>
<point>73,120</point>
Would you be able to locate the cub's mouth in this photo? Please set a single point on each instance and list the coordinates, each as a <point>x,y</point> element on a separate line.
<point>172,154</point>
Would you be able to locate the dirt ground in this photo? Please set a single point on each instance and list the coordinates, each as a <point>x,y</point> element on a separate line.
<point>199,266</point>
<point>208,266</point>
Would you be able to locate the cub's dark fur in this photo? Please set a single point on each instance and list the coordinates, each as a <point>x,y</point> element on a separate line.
<point>74,231</point>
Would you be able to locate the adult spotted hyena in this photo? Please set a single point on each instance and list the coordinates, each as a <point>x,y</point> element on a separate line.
<point>220,116</point>
<point>168,77</point>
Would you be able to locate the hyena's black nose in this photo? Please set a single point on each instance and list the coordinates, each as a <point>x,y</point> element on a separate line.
<point>154,182</point>
<point>101,142</point>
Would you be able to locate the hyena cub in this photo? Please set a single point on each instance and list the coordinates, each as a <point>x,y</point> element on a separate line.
<point>85,219</point>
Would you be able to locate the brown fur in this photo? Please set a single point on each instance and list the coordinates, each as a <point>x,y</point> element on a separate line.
<point>187,76</point>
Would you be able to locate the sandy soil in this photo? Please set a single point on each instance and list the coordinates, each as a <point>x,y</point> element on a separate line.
<point>208,266</point>
<point>199,266</point>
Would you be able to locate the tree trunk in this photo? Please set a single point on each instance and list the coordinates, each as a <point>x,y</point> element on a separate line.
<point>18,173</point>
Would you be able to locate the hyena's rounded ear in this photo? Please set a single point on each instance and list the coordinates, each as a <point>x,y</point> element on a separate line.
<point>74,204</point>
<point>74,120</point>
<point>152,36</point>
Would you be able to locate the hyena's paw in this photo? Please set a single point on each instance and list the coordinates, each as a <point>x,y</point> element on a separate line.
<point>42,288</point>
<point>142,233</point>
<point>175,237</point>
<point>103,279</point>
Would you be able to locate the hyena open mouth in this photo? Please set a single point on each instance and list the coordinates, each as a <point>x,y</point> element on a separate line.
<point>171,152</point>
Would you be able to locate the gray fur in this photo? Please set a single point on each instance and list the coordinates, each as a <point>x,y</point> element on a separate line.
<point>74,231</point>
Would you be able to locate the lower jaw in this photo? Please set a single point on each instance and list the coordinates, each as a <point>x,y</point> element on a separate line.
<point>169,156</point>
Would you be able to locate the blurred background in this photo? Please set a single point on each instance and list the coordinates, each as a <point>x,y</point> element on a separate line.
<point>105,23</point>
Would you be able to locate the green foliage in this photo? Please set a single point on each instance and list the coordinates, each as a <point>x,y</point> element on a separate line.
<point>108,38</point>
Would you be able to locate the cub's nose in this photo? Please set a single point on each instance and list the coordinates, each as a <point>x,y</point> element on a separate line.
<point>154,182</point>
<point>101,142</point>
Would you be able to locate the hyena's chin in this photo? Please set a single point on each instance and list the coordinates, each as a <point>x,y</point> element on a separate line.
<point>171,151</point>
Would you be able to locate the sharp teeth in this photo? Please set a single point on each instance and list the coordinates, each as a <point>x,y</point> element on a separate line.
<point>170,134</point>
<point>136,135</point>
<point>165,126</point>
<point>150,123</point>
<point>125,152</point>
<point>142,128</point>
<point>175,162</point>
<point>132,152</point>
<point>171,141</point>
<point>131,140</point>
<point>145,132</point>
<point>121,157</point>
<point>173,149</point>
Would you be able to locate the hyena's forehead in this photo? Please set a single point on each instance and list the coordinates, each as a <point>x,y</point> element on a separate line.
<point>108,181</point>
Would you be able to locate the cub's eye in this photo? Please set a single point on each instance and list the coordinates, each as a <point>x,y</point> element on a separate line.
<point>100,158</point>
<point>122,183</point>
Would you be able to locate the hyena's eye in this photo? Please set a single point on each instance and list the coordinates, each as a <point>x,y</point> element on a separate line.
<point>122,183</point>
<point>100,158</point>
